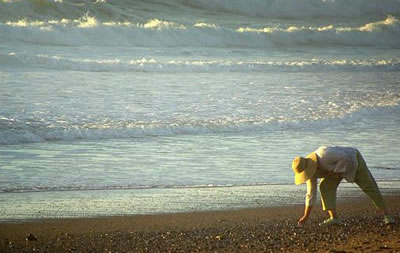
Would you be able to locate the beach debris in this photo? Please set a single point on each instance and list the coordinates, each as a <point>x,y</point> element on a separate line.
<point>385,247</point>
<point>31,237</point>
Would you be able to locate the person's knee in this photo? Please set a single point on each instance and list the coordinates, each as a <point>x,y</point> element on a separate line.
<point>324,186</point>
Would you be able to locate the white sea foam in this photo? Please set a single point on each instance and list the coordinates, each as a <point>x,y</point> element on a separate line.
<point>14,131</point>
<point>388,23</point>
<point>381,33</point>
<point>202,24</point>
<point>88,30</point>
<point>155,65</point>
<point>160,24</point>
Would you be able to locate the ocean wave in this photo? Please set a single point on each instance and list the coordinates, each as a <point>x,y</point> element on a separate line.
<point>139,9</point>
<point>14,131</point>
<point>208,66</point>
<point>88,30</point>
<point>18,131</point>
<point>332,35</point>
<point>308,9</point>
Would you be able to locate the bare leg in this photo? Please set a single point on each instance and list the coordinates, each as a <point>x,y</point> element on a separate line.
<point>332,213</point>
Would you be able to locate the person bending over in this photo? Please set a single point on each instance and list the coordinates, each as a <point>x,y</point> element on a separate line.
<point>332,164</point>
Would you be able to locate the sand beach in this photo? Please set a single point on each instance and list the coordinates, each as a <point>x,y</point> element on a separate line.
<point>271,229</point>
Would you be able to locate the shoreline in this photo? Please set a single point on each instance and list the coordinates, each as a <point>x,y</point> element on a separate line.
<point>249,230</point>
<point>31,206</point>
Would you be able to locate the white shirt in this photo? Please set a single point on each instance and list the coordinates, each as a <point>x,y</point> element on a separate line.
<point>339,161</point>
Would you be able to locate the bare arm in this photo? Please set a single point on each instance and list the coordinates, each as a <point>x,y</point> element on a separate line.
<point>303,219</point>
<point>310,200</point>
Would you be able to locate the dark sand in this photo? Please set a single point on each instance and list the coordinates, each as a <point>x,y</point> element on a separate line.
<point>251,230</point>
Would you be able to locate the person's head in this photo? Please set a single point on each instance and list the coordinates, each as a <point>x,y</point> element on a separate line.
<point>304,167</point>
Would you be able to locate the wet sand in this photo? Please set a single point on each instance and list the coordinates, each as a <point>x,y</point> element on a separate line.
<point>271,229</point>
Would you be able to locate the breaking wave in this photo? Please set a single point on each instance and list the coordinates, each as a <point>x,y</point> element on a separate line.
<point>18,131</point>
<point>208,66</point>
<point>87,30</point>
<point>31,131</point>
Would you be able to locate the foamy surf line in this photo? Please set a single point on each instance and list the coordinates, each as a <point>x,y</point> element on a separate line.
<point>77,204</point>
<point>88,31</point>
<point>202,66</point>
<point>39,189</point>
<point>389,184</point>
<point>24,133</point>
<point>14,131</point>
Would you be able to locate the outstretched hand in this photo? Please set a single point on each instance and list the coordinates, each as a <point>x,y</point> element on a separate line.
<point>302,220</point>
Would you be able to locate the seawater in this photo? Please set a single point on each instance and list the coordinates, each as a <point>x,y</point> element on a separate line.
<point>175,106</point>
